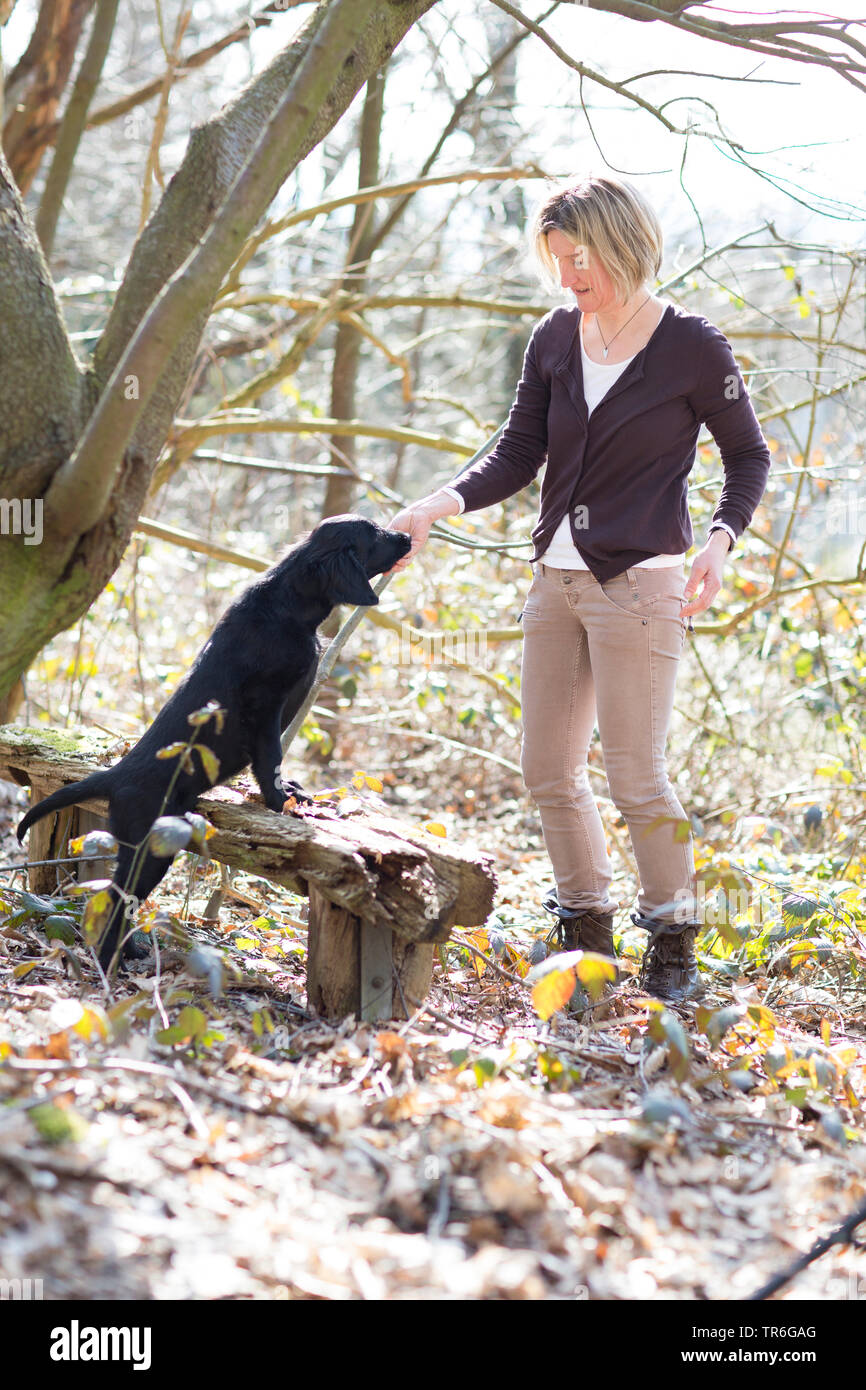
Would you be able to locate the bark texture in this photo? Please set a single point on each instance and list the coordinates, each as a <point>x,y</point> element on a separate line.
<point>37,82</point>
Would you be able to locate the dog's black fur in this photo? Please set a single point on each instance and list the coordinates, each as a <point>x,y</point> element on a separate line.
<point>258,666</point>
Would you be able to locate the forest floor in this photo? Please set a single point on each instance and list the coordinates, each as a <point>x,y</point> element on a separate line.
<point>179,1140</point>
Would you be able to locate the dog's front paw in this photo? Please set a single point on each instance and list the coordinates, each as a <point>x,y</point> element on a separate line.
<point>138,947</point>
<point>294,795</point>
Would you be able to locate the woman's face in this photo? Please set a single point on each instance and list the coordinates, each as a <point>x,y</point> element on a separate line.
<point>581,272</point>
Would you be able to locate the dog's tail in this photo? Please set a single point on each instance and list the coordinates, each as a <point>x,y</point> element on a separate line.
<point>99,784</point>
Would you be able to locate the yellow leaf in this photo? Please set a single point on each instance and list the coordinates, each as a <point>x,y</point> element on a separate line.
<point>842,619</point>
<point>434,827</point>
<point>552,992</point>
<point>210,763</point>
<point>93,1022</point>
<point>374,784</point>
<point>845,1057</point>
<point>766,1024</point>
<point>825,1031</point>
<point>171,750</point>
<point>96,915</point>
<point>594,972</point>
<point>803,952</point>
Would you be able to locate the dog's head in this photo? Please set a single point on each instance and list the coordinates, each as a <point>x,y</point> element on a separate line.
<point>344,553</point>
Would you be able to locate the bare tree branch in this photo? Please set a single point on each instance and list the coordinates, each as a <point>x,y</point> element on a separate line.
<point>73,123</point>
<point>113,110</point>
<point>81,487</point>
<point>777,39</point>
<point>191,435</point>
<point>367,195</point>
<point>585,71</point>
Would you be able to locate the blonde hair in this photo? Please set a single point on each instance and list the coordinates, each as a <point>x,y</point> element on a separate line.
<point>612,219</point>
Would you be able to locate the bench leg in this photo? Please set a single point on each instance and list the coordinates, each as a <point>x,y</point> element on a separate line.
<point>359,968</point>
<point>49,839</point>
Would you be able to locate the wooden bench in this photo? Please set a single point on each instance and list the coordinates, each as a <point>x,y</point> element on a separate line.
<point>382,893</point>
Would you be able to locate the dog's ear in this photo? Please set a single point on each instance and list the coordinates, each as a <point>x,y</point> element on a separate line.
<point>346,581</point>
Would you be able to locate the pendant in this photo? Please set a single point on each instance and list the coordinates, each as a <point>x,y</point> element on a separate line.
<point>604,353</point>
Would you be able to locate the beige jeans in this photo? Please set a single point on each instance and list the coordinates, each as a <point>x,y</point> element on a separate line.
<point>606,653</point>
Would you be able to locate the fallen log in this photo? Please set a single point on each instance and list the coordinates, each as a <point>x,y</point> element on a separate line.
<point>382,893</point>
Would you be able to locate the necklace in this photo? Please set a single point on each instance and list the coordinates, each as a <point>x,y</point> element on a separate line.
<point>606,346</point>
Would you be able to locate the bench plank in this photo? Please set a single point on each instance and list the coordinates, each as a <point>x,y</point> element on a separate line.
<point>367,874</point>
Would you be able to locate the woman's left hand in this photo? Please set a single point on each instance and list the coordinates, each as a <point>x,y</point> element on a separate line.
<point>706,574</point>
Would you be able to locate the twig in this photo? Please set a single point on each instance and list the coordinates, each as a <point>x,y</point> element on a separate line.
<point>162,1073</point>
<point>841,1235</point>
<point>488,960</point>
<point>453,1023</point>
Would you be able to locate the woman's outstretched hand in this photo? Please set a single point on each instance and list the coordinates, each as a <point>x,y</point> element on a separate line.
<point>417,519</point>
<point>706,574</point>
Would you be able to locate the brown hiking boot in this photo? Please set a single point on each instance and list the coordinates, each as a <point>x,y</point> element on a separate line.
<point>669,970</point>
<point>583,931</point>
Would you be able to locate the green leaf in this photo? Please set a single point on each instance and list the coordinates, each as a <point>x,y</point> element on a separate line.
<point>168,835</point>
<point>717,1023</point>
<point>98,844</point>
<point>661,1110</point>
<point>168,1037</point>
<point>729,934</point>
<point>59,928</point>
<point>192,1021</point>
<point>57,1125</point>
<point>202,831</point>
<point>485,1069</point>
<point>665,1027</point>
<point>797,907</point>
<point>40,906</point>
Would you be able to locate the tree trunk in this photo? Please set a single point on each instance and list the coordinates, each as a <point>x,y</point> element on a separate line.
<point>347,350</point>
<point>46,587</point>
<point>36,84</point>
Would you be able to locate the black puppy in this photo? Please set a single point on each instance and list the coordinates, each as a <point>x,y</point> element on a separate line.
<point>258,666</point>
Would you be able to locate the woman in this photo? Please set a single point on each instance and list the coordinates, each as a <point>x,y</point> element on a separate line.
<point>614,390</point>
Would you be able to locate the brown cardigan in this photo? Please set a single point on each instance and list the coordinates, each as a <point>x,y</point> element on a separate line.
<point>628,462</point>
